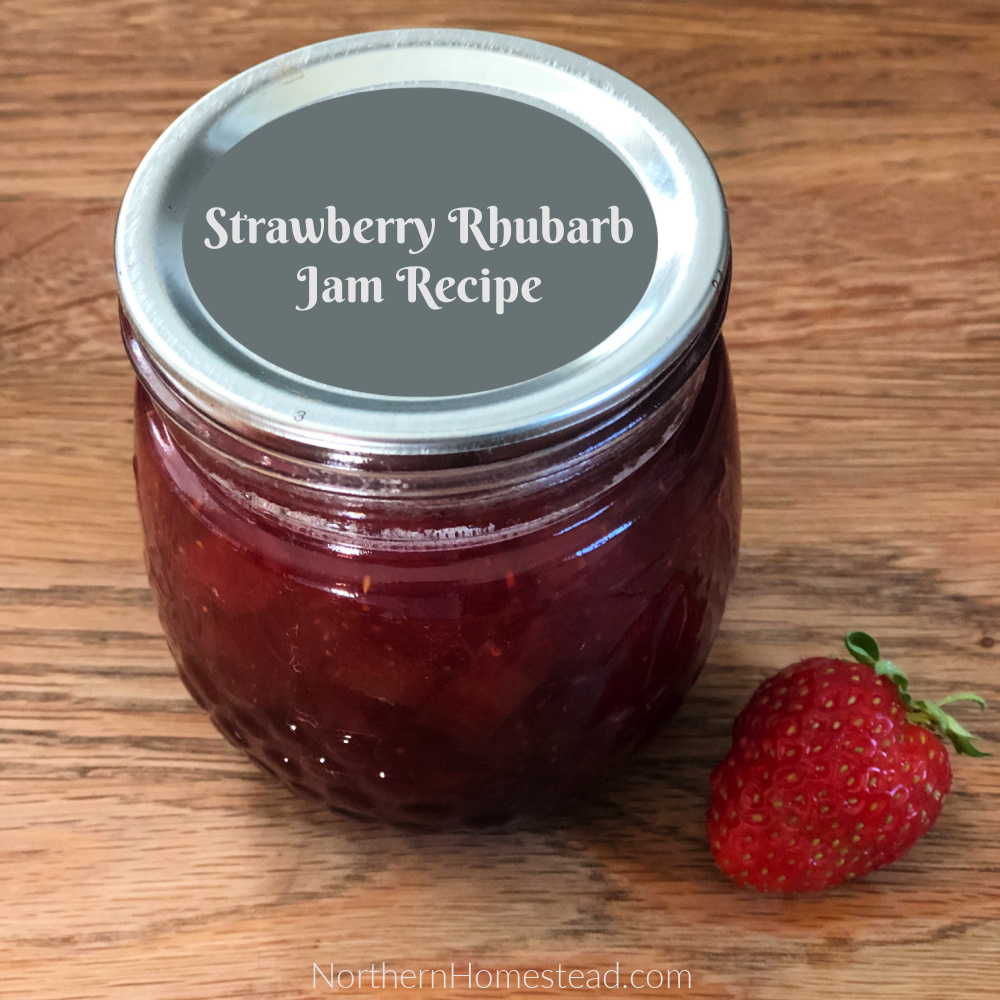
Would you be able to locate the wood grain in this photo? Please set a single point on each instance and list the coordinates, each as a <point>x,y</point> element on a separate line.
<point>143,858</point>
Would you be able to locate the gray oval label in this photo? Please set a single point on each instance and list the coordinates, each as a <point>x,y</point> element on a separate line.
<point>419,242</point>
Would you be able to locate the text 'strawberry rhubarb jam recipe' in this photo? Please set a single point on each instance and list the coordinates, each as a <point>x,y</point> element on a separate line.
<point>436,444</point>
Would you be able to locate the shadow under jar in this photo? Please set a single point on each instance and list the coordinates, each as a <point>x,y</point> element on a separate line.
<point>446,629</point>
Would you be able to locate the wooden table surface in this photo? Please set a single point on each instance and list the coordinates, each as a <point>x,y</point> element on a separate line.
<point>142,857</point>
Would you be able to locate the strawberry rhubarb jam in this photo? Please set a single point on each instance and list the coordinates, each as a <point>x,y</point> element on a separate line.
<point>436,448</point>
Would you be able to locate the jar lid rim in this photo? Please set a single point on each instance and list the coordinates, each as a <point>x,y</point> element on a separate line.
<point>263,403</point>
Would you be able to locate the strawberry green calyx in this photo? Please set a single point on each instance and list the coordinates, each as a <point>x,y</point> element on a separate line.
<point>929,714</point>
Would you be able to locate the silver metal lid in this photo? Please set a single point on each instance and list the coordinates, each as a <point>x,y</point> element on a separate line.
<point>262,402</point>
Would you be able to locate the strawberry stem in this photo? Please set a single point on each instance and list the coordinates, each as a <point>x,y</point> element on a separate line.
<point>929,714</point>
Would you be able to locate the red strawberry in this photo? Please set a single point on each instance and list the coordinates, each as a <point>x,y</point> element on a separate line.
<point>835,770</point>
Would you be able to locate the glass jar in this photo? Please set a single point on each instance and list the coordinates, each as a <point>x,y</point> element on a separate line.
<point>472,617</point>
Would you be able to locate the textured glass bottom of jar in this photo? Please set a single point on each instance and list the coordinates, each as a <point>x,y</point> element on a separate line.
<point>449,686</point>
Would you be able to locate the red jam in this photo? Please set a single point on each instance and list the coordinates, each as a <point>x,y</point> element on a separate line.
<point>463,681</point>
